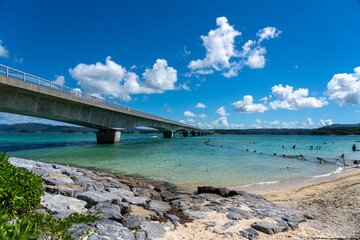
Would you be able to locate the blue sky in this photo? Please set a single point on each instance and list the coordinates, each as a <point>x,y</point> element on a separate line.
<point>267,63</point>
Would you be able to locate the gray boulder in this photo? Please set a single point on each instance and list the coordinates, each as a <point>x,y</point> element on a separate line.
<point>294,220</point>
<point>92,197</point>
<point>266,227</point>
<point>233,216</point>
<point>56,181</point>
<point>131,221</point>
<point>249,233</point>
<point>173,219</point>
<point>153,230</point>
<point>141,235</point>
<point>194,214</point>
<point>244,214</point>
<point>141,201</point>
<point>107,211</point>
<point>77,230</point>
<point>159,207</point>
<point>59,203</point>
<point>110,230</point>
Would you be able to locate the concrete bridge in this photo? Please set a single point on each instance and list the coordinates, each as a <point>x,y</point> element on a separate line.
<point>25,94</point>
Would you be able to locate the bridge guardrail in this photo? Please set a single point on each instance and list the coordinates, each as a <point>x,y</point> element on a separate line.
<point>25,77</point>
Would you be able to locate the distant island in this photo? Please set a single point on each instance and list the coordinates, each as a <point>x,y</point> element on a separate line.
<point>335,129</point>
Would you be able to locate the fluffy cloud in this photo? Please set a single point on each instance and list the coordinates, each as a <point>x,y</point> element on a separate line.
<point>9,118</point>
<point>3,51</point>
<point>326,122</point>
<point>221,50</point>
<point>289,99</point>
<point>200,105</point>
<point>344,88</point>
<point>267,33</point>
<point>248,106</point>
<point>309,123</point>
<point>111,79</point>
<point>161,77</point>
<point>202,116</point>
<point>220,123</point>
<point>221,111</point>
<point>189,114</point>
<point>219,45</point>
<point>59,80</point>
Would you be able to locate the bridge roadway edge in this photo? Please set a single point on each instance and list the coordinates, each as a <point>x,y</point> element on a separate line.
<point>24,98</point>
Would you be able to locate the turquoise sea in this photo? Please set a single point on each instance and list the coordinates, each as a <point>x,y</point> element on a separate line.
<point>189,162</point>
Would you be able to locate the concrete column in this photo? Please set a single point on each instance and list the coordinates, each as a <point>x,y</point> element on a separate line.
<point>168,134</point>
<point>108,136</point>
<point>185,134</point>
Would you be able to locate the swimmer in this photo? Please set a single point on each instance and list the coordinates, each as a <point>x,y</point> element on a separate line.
<point>311,148</point>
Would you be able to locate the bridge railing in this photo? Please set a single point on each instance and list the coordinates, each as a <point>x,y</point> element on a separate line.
<point>25,77</point>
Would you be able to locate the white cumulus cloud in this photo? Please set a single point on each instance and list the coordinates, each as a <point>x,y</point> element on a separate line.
<point>189,114</point>
<point>220,123</point>
<point>111,79</point>
<point>267,33</point>
<point>219,45</point>
<point>59,80</point>
<point>200,105</point>
<point>202,116</point>
<point>289,99</point>
<point>344,88</point>
<point>221,111</point>
<point>326,122</point>
<point>222,53</point>
<point>3,51</point>
<point>309,123</point>
<point>248,106</point>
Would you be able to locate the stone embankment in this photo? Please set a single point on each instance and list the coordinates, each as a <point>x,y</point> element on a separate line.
<point>134,209</point>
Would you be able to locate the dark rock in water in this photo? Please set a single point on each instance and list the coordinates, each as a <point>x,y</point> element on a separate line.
<point>131,221</point>
<point>159,207</point>
<point>92,197</point>
<point>173,219</point>
<point>233,216</point>
<point>107,211</point>
<point>141,235</point>
<point>266,227</point>
<point>249,233</point>
<point>153,230</point>
<point>107,229</point>
<point>224,192</point>
<point>77,230</point>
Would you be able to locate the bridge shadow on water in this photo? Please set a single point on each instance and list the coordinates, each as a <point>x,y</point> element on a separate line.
<point>34,146</point>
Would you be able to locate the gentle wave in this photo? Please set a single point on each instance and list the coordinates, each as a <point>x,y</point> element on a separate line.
<point>338,170</point>
<point>261,183</point>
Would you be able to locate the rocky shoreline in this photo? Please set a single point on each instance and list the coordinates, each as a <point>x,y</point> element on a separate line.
<point>131,208</point>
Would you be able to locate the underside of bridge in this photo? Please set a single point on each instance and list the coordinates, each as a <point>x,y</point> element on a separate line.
<point>20,97</point>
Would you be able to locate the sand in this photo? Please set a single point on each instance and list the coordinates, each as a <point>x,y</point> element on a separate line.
<point>334,204</point>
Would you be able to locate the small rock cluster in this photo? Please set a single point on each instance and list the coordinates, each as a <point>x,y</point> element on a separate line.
<point>134,209</point>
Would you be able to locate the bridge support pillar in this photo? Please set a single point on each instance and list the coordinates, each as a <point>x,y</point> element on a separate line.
<point>168,134</point>
<point>185,134</point>
<point>108,136</point>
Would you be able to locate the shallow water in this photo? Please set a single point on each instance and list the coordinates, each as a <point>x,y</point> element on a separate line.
<point>188,162</point>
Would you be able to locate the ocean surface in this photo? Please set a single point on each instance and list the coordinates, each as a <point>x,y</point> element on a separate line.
<point>225,160</point>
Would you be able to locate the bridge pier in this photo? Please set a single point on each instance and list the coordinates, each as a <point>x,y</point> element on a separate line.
<point>185,134</point>
<point>108,136</point>
<point>168,134</point>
